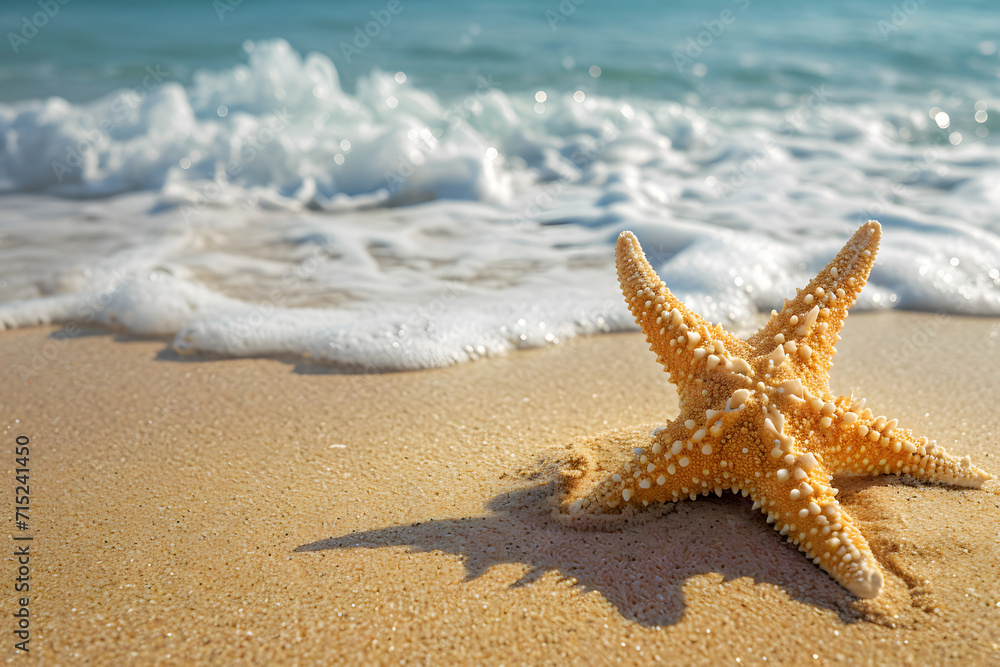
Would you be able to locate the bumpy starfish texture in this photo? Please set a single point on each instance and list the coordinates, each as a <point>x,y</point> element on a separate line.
<point>757,417</point>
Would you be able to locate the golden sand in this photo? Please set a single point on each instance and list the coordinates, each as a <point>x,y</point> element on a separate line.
<point>269,512</point>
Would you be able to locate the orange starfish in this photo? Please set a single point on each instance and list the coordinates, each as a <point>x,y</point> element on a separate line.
<point>757,417</point>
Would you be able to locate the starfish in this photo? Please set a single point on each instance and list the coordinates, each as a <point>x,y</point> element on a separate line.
<point>757,418</point>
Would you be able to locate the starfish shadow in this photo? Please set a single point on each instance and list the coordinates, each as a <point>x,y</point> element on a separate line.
<point>640,563</point>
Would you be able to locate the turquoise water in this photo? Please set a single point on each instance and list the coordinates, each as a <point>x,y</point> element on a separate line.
<point>266,178</point>
<point>861,49</point>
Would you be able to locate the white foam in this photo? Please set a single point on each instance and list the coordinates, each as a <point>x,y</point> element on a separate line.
<point>290,136</point>
<point>308,220</point>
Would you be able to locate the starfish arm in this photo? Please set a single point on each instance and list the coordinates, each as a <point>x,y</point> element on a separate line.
<point>794,492</point>
<point>758,417</point>
<point>681,339</point>
<point>867,445</point>
<point>807,327</point>
<point>666,465</point>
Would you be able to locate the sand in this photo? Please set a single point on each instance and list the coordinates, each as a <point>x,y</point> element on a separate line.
<point>267,511</point>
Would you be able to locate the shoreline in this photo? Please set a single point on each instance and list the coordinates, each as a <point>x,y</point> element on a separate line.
<point>208,510</point>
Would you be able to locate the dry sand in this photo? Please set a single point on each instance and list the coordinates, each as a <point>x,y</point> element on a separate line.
<point>267,512</point>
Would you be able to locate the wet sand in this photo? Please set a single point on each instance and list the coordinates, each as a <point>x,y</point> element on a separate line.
<point>266,511</point>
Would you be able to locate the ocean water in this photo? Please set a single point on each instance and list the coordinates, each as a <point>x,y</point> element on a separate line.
<point>404,184</point>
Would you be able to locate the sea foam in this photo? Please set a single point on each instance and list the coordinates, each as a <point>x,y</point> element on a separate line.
<point>264,210</point>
